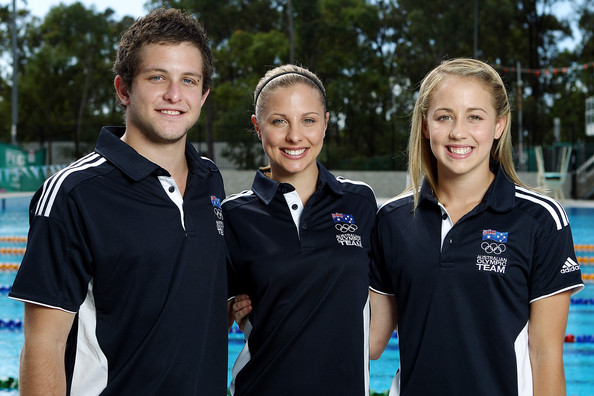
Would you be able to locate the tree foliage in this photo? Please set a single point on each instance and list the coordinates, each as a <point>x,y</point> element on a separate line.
<point>370,54</point>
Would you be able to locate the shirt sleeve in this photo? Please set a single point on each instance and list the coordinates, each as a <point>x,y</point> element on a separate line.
<point>381,276</point>
<point>236,276</point>
<point>56,268</point>
<point>555,268</point>
<point>234,284</point>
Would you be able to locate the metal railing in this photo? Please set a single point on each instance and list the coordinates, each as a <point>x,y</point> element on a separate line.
<point>585,179</point>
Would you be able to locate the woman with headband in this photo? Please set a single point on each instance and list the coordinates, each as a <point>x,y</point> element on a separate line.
<point>299,243</point>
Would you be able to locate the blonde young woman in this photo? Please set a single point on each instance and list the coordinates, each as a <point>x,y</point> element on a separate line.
<point>299,243</point>
<point>475,269</point>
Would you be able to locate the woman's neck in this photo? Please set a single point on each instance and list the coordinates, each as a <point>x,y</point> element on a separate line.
<point>459,195</point>
<point>305,182</point>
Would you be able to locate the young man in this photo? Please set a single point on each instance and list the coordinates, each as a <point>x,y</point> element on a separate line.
<point>124,277</point>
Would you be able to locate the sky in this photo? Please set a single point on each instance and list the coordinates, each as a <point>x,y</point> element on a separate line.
<point>135,8</point>
<point>40,8</point>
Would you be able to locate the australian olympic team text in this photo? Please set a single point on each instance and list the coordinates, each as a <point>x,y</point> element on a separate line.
<point>491,263</point>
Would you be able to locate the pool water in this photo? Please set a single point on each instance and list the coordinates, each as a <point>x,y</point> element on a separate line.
<point>578,356</point>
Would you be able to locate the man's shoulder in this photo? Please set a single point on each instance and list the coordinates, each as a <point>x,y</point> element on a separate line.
<point>63,182</point>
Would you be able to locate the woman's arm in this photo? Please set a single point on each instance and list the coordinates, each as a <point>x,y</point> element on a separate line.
<point>384,318</point>
<point>546,329</point>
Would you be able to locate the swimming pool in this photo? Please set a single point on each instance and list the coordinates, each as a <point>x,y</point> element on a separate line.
<point>578,355</point>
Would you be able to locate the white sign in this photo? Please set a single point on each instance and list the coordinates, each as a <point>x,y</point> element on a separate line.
<point>590,116</point>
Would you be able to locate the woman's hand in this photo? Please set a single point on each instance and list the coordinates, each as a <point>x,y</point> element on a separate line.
<point>239,309</point>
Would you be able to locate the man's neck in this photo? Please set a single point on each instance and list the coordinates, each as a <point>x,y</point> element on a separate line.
<point>169,156</point>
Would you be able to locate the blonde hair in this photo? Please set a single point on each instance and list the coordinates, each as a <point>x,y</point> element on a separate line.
<point>285,76</point>
<point>422,163</point>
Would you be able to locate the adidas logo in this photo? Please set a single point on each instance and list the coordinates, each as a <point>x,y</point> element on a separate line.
<point>570,266</point>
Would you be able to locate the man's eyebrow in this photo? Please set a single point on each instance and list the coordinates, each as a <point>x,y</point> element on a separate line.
<point>164,71</point>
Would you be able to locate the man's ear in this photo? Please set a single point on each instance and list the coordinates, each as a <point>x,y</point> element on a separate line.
<point>121,90</point>
<point>204,96</point>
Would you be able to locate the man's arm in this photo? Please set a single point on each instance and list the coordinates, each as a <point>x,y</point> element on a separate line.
<point>546,329</point>
<point>42,370</point>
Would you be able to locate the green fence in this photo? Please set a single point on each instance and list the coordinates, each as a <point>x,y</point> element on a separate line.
<point>22,170</point>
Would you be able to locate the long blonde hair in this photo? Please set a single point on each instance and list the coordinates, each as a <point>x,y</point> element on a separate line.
<point>422,163</point>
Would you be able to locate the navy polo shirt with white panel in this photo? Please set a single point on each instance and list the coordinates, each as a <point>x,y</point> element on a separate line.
<point>112,240</point>
<point>464,291</point>
<point>306,270</point>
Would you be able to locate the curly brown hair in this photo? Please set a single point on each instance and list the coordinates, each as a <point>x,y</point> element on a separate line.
<point>161,26</point>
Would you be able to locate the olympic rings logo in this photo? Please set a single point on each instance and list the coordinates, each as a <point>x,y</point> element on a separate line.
<point>219,213</point>
<point>496,248</point>
<point>343,227</point>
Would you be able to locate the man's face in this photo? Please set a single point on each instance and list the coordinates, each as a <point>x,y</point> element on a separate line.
<point>166,96</point>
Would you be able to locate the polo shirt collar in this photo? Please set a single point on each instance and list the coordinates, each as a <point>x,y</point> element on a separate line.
<point>500,195</point>
<point>134,165</point>
<point>265,188</point>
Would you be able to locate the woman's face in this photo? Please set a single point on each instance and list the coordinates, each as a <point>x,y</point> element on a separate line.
<point>461,125</point>
<point>292,127</point>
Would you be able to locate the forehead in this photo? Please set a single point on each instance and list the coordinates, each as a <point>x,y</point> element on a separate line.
<point>165,55</point>
<point>458,90</point>
<point>300,91</point>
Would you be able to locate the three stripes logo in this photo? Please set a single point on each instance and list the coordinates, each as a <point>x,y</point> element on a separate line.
<point>569,266</point>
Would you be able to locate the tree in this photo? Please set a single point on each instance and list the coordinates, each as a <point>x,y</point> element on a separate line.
<point>76,48</point>
<point>24,22</point>
<point>538,32</point>
<point>370,54</point>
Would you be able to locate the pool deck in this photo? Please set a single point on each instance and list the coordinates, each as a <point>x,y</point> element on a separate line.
<point>568,203</point>
<point>577,203</point>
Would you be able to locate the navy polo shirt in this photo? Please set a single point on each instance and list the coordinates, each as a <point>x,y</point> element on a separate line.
<point>306,270</point>
<point>463,307</point>
<point>112,240</point>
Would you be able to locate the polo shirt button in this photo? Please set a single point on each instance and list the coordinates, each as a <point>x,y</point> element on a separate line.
<point>444,216</point>
<point>171,189</point>
<point>294,207</point>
